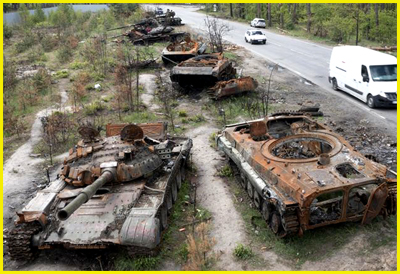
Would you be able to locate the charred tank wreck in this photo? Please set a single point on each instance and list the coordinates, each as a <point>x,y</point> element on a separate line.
<point>111,191</point>
<point>301,175</point>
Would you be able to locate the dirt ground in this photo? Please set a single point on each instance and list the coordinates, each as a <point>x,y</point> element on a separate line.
<point>289,91</point>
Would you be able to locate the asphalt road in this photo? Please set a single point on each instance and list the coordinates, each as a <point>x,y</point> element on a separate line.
<point>308,60</point>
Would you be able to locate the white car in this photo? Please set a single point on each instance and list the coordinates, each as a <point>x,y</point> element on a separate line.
<point>255,37</point>
<point>258,23</point>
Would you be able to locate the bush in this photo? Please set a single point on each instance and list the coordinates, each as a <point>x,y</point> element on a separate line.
<point>64,54</point>
<point>94,107</point>
<point>61,74</point>
<point>182,113</point>
<point>27,42</point>
<point>226,171</point>
<point>7,31</point>
<point>42,81</point>
<point>197,118</point>
<point>243,252</point>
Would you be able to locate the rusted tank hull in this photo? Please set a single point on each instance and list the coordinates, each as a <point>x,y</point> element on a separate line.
<point>203,71</point>
<point>232,87</point>
<point>301,176</point>
<point>180,51</point>
<point>117,190</point>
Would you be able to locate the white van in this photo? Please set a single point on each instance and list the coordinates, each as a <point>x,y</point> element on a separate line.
<point>368,75</point>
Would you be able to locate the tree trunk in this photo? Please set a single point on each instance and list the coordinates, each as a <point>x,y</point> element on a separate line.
<point>269,15</point>
<point>281,19</point>
<point>357,24</point>
<point>231,9</point>
<point>294,15</point>
<point>376,15</point>
<point>258,10</point>
<point>308,17</point>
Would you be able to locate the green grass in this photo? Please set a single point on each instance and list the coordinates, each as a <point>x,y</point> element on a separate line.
<point>126,263</point>
<point>225,171</point>
<point>243,252</point>
<point>140,117</point>
<point>211,139</point>
<point>315,244</point>
<point>231,56</point>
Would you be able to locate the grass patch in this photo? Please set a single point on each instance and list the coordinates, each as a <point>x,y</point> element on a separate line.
<point>140,117</point>
<point>212,141</point>
<point>231,56</point>
<point>243,252</point>
<point>182,113</point>
<point>225,171</point>
<point>61,74</point>
<point>126,263</point>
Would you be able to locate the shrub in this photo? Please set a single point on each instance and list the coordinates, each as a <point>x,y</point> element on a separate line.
<point>64,54</point>
<point>7,31</point>
<point>226,171</point>
<point>182,113</point>
<point>94,107</point>
<point>243,252</point>
<point>27,42</point>
<point>61,74</point>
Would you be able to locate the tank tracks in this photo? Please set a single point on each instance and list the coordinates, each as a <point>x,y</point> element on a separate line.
<point>282,225</point>
<point>19,241</point>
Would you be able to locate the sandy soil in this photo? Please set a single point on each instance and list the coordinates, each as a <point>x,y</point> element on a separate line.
<point>149,83</point>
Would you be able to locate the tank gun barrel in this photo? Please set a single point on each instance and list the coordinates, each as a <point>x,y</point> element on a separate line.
<point>107,176</point>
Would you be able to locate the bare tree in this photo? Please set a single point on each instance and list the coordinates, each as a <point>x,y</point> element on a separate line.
<point>216,30</point>
<point>269,15</point>
<point>166,94</point>
<point>308,17</point>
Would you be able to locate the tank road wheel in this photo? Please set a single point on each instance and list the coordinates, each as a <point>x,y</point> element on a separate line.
<point>266,211</point>
<point>179,179</point>
<point>169,201</point>
<point>183,172</point>
<point>256,199</point>
<point>174,189</point>
<point>276,223</point>
<point>164,216</point>
<point>19,241</point>
<point>250,189</point>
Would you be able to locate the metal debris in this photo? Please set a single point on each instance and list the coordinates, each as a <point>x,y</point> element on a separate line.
<point>232,87</point>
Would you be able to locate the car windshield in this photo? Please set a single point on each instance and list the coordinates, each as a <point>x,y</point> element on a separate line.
<point>384,73</point>
<point>256,33</point>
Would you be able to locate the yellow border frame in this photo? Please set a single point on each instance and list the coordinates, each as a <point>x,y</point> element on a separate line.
<point>182,2</point>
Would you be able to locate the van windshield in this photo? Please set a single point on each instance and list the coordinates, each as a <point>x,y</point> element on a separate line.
<point>384,73</point>
<point>257,33</point>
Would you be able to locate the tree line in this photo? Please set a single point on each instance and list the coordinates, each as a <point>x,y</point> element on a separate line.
<point>341,23</point>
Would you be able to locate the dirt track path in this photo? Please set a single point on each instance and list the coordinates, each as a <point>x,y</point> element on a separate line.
<point>149,83</point>
<point>212,193</point>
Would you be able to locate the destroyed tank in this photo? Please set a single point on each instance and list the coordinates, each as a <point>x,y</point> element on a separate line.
<point>203,71</point>
<point>111,191</point>
<point>301,175</point>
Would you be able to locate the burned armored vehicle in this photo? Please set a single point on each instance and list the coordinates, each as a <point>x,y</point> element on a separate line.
<point>179,51</point>
<point>203,71</point>
<point>301,175</point>
<point>111,191</point>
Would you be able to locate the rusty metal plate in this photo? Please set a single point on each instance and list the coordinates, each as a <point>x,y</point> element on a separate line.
<point>152,130</point>
<point>375,203</point>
